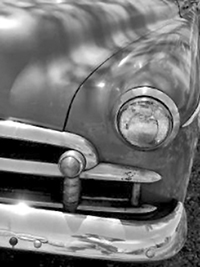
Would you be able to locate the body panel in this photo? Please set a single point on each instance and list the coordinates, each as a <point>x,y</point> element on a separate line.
<point>167,60</point>
<point>48,48</point>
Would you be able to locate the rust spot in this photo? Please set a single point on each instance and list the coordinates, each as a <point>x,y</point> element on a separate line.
<point>129,176</point>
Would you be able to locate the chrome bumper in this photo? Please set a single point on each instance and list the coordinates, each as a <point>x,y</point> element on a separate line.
<point>54,232</point>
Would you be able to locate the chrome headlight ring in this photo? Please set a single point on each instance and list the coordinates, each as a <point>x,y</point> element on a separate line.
<point>146,118</point>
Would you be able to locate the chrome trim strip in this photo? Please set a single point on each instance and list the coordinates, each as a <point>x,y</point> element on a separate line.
<point>111,172</point>
<point>103,171</point>
<point>29,167</point>
<point>139,210</point>
<point>32,203</point>
<point>192,118</point>
<point>100,198</point>
<point>84,206</point>
<point>94,237</point>
<point>145,91</point>
<point>26,132</point>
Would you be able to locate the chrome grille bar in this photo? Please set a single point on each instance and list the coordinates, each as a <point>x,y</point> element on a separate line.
<point>128,210</point>
<point>39,204</point>
<point>112,172</point>
<point>29,167</point>
<point>82,207</point>
<point>21,131</point>
<point>105,172</point>
<point>87,198</point>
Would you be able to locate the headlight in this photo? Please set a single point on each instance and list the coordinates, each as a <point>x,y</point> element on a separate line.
<point>146,123</point>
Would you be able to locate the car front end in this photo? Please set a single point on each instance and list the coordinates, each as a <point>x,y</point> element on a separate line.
<point>110,226</point>
<point>98,130</point>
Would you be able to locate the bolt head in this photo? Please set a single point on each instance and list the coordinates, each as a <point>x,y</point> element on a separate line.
<point>37,243</point>
<point>150,253</point>
<point>13,241</point>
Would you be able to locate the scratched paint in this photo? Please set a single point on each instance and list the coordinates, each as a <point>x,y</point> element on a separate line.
<point>48,48</point>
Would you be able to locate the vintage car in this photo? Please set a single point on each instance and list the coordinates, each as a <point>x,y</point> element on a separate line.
<point>99,103</point>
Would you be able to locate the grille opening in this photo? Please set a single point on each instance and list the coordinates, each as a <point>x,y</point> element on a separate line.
<point>109,189</point>
<point>30,188</point>
<point>18,149</point>
<point>118,196</point>
<point>46,193</point>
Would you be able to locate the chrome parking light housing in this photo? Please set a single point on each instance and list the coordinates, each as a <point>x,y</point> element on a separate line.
<point>72,163</point>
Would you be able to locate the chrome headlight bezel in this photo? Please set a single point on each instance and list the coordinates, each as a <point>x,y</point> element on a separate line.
<point>154,94</point>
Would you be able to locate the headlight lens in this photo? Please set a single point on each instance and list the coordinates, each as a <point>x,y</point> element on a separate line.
<point>144,122</point>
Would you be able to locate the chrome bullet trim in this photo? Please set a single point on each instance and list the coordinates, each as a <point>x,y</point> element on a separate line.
<point>66,160</point>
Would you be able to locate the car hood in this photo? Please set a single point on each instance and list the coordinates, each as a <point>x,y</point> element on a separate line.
<point>48,49</point>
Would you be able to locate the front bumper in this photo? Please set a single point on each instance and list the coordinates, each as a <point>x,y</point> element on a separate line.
<point>31,229</point>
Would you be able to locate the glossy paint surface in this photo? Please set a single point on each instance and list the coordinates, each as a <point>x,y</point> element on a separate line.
<point>168,60</point>
<point>48,48</point>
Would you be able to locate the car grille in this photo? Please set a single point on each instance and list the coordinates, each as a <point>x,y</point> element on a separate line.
<point>24,150</point>
<point>29,172</point>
